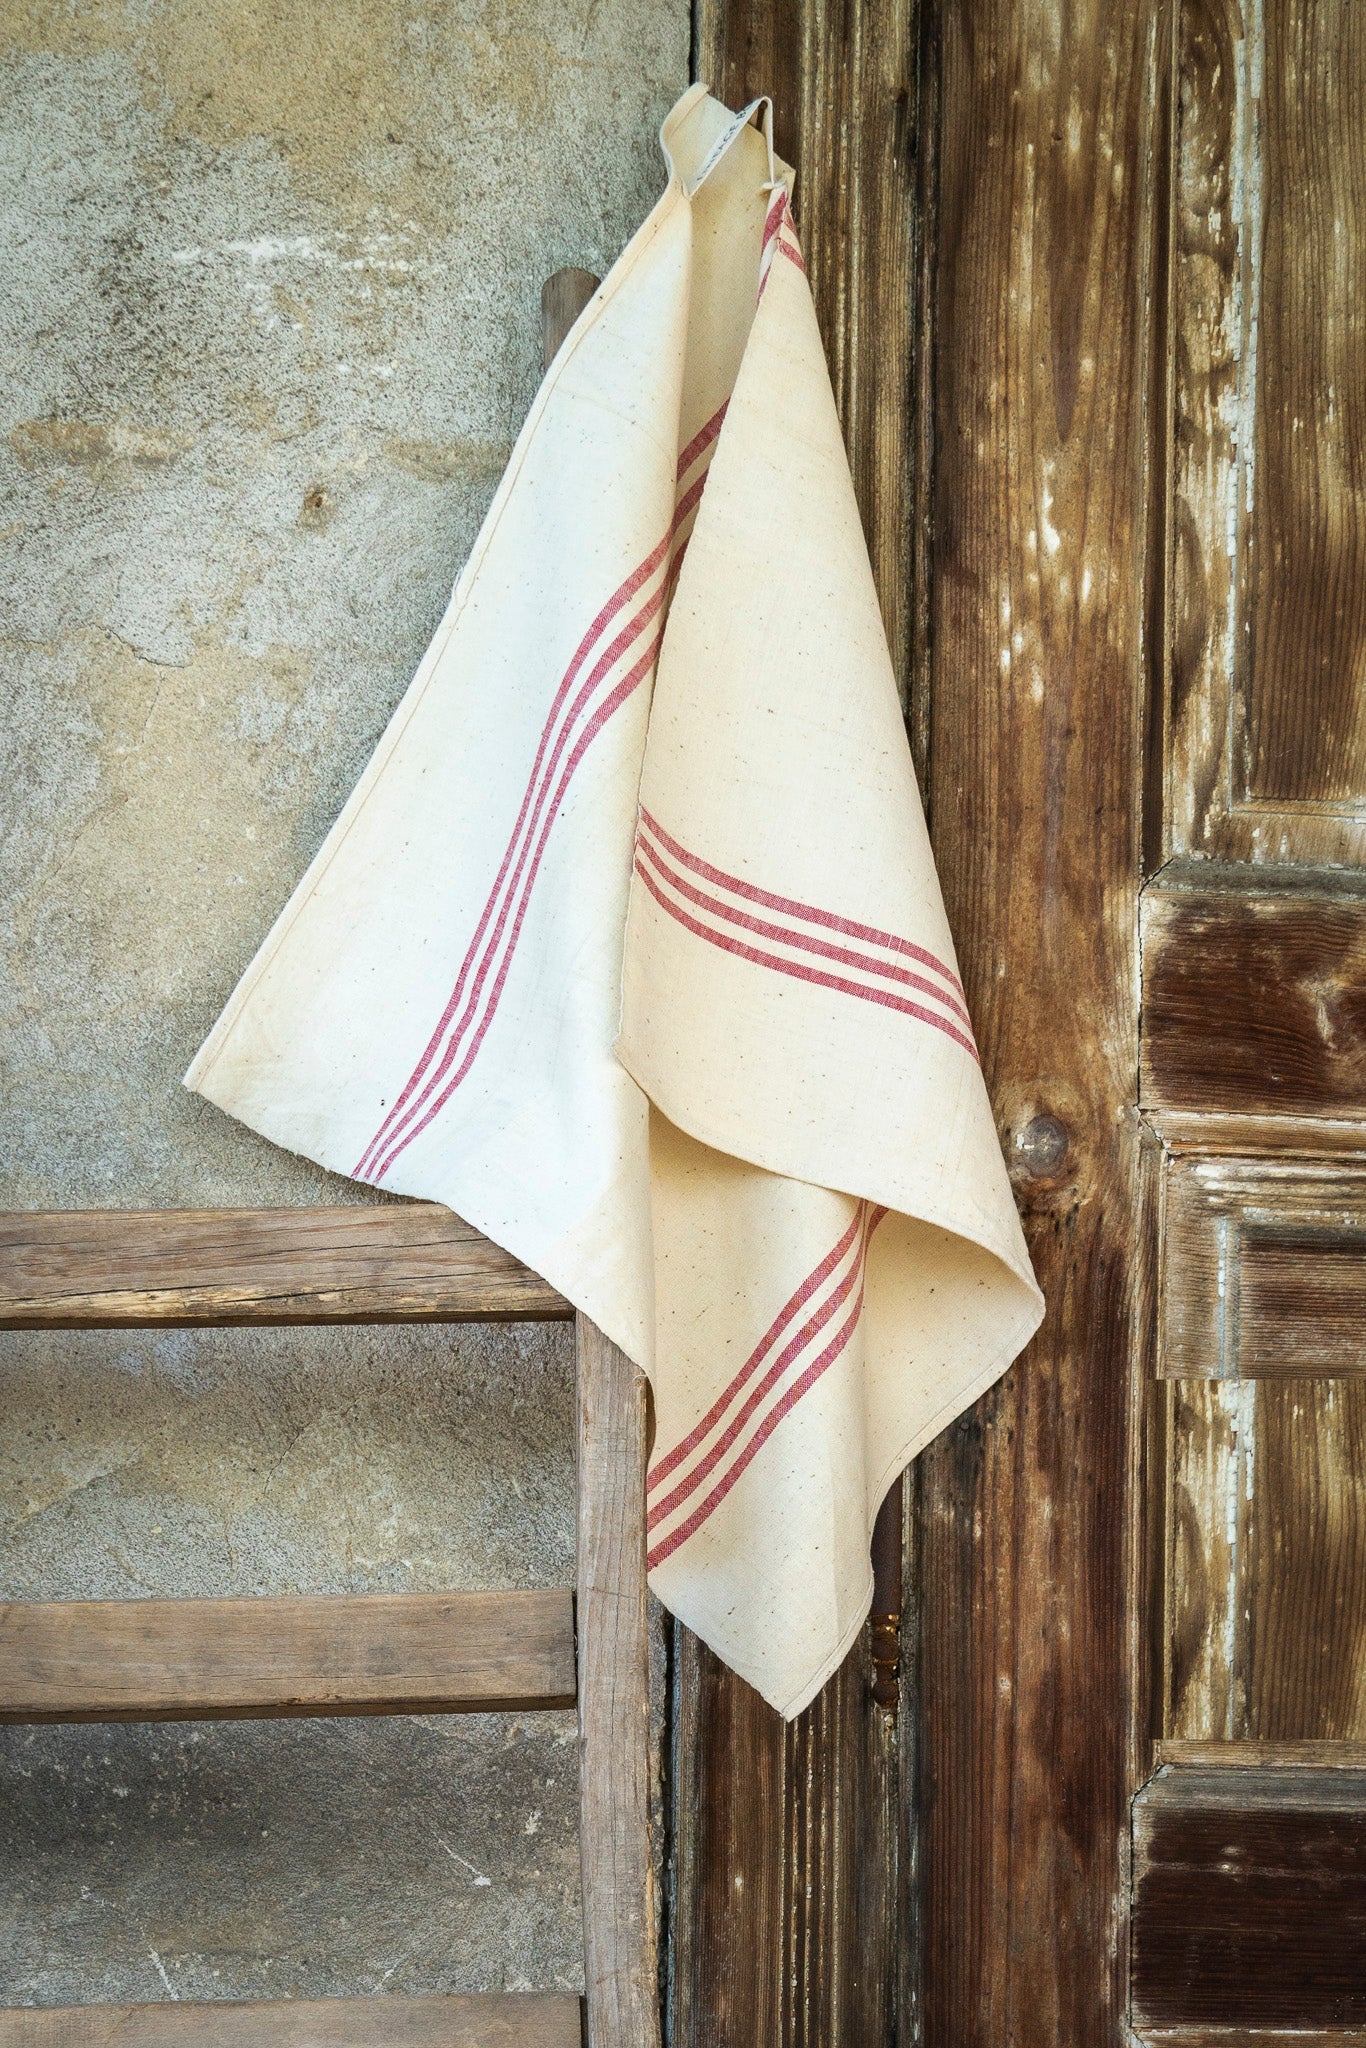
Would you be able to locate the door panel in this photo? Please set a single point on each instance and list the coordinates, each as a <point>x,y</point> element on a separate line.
<point>1254,991</point>
<point>1091,283</point>
<point>1267,645</point>
<point>1249,1886</point>
<point>1266,1560</point>
<point>1263,1261</point>
<point>1250,1904</point>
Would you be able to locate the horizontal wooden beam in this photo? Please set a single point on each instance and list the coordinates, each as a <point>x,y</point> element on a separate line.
<point>372,1653</point>
<point>1249,1901</point>
<point>409,1262</point>
<point>1248,2037</point>
<point>514,2020</point>
<point>1260,1756</point>
<point>1254,1004</point>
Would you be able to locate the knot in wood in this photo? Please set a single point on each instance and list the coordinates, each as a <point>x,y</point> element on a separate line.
<point>1041,1148</point>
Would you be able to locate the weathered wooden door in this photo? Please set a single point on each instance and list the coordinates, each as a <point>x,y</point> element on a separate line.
<point>1093,283</point>
<point>1250,1845</point>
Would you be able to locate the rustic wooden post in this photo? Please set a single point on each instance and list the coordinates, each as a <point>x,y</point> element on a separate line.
<point>621,1976</point>
<point>620,1972</point>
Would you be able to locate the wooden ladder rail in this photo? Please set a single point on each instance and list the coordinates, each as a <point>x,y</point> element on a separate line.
<point>381,1653</point>
<point>177,1269</point>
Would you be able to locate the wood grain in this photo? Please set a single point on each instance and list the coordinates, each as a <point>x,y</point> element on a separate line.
<point>789,1923</point>
<point>1189,1134</point>
<point>884,1617</point>
<point>1265,629</point>
<point>369,1653</point>
<point>563,297</point>
<point>620,1965</point>
<point>1254,1000</point>
<point>794,1875</point>
<point>409,1262</point>
<point>1307,683</point>
<point>1033,1551</point>
<point>1303,1571</point>
<point>1302,1300</point>
<point>1249,2037</point>
<point>1265,1601</point>
<point>1206,1434</point>
<point>1258,1756</point>
<point>515,2020</point>
<point>1250,1900</point>
<point>1208,240</point>
<point>1263,1264</point>
<point>731,1848</point>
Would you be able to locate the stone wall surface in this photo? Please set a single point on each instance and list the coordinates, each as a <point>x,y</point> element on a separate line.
<point>269,323</point>
<point>278,1858</point>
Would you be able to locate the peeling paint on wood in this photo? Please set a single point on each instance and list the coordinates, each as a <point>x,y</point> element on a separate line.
<point>1265,1597</point>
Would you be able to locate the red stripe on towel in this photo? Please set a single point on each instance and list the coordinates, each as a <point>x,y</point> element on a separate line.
<point>801,1341</point>
<point>798,972</point>
<point>701,440</point>
<point>790,907</point>
<point>805,941</point>
<point>611,704</point>
<point>839,1251</point>
<point>776,1414</point>
<point>549,753</point>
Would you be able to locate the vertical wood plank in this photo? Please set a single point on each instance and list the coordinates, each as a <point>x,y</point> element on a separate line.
<point>790,1920</point>
<point>1267,626</point>
<point>1209,1422</point>
<point>730,1783</point>
<point>1302,1591</point>
<point>885,1616</point>
<point>1307,709</point>
<point>791,1844</point>
<point>1033,1557</point>
<point>1207,292</point>
<point>620,1972</point>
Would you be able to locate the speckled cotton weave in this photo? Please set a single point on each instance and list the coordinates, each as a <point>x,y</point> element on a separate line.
<point>629,946</point>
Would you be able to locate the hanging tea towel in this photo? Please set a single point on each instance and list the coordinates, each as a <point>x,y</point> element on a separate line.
<point>629,948</point>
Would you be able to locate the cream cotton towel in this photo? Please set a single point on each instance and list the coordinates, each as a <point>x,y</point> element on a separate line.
<point>629,947</point>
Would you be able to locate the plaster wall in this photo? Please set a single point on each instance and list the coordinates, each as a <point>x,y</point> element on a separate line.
<point>269,320</point>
